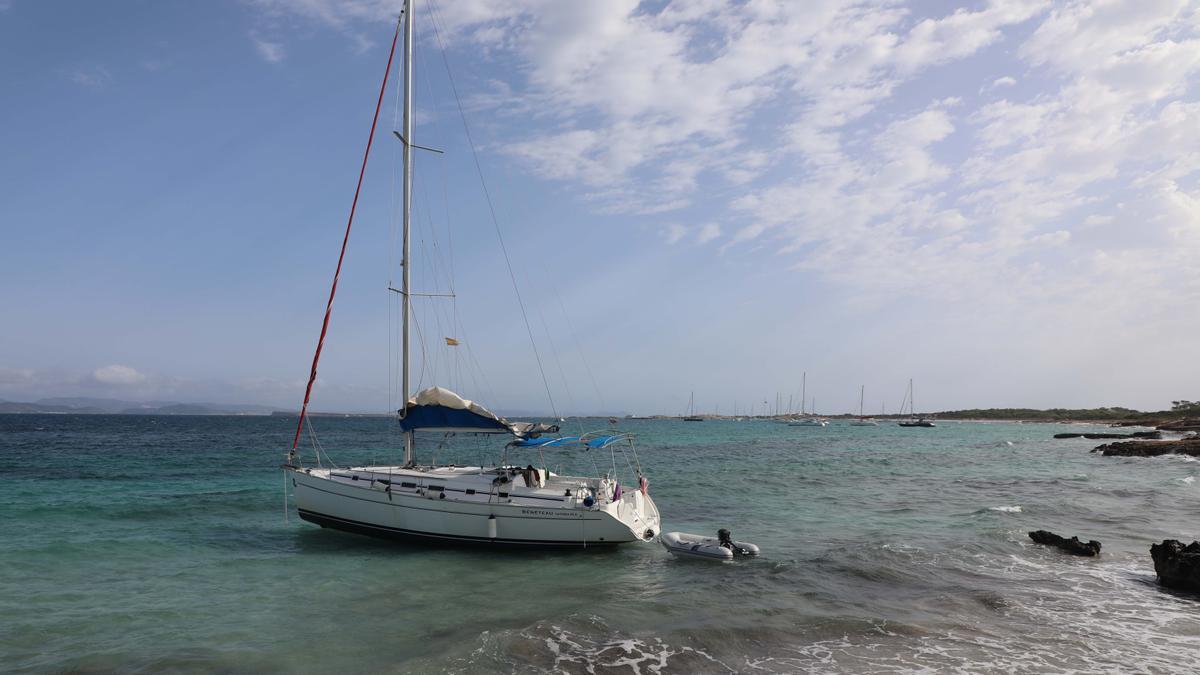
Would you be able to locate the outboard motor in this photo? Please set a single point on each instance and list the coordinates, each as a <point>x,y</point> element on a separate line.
<point>725,539</point>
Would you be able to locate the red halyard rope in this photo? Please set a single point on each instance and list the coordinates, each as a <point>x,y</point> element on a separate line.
<point>312,376</point>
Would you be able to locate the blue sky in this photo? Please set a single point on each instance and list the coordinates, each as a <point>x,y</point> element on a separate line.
<point>1001,201</point>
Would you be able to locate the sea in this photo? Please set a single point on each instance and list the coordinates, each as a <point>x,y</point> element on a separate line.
<point>167,544</point>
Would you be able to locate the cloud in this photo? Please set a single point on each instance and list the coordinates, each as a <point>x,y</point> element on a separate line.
<point>1081,35</point>
<point>118,375</point>
<point>833,137</point>
<point>15,376</point>
<point>1006,81</point>
<point>91,77</point>
<point>707,233</point>
<point>648,102</point>
<point>271,52</point>
<point>674,233</point>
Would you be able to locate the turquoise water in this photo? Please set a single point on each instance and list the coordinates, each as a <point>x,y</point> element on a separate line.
<point>160,544</point>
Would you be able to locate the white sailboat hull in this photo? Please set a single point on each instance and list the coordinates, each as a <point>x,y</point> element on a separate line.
<point>380,508</point>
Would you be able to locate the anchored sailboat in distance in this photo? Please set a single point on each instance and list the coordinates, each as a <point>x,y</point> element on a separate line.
<point>913,420</point>
<point>813,421</point>
<point>498,505</point>
<point>863,420</point>
<point>691,415</point>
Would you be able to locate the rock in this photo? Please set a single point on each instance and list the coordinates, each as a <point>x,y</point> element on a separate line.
<point>1072,545</point>
<point>1176,565</point>
<point>1186,446</point>
<point>1191,424</point>
<point>1094,436</point>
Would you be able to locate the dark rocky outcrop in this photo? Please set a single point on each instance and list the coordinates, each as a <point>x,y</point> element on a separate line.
<point>1072,545</point>
<point>1096,436</point>
<point>1176,565</point>
<point>1191,424</point>
<point>1187,446</point>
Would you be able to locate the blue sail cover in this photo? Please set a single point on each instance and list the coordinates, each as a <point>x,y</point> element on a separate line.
<point>437,409</point>
<point>439,418</point>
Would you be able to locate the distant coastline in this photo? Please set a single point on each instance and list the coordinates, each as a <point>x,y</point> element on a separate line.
<point>1115,416</point>
<point>108,406</point>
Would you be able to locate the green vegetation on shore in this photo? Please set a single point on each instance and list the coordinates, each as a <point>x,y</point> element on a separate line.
<point>1179,410</point>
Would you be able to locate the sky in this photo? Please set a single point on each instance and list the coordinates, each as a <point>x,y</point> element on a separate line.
<point>999,200</point>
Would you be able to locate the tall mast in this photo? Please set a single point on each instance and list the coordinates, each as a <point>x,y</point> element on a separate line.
<point>912,402</point>
<point>405,296</point>
<point>803,390</point>
<point>862,389</point>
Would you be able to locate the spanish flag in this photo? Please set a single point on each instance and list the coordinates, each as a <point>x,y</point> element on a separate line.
<point>451,342</point>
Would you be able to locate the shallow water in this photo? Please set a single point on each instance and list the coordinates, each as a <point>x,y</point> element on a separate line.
<point>160,544</point>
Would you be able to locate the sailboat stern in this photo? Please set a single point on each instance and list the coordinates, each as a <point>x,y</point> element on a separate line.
<point>638,512</point>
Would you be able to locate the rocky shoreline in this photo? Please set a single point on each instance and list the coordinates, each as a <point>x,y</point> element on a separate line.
<point>1176,565</point>
<point>1154,435</point>
<point>1073,545</point>
<point>1184,446</point>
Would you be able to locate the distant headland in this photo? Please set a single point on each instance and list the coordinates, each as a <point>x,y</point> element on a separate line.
<point>110,406</point>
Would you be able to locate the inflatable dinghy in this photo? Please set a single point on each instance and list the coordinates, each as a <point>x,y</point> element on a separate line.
<point>720,547</point>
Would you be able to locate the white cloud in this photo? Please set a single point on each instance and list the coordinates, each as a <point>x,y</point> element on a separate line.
<point>15,376</point>
<point>92,77</point>
<point>674,233</point>
<point>828,136</point>
<point>272,52</point>
<point>707,233</point>
<point>1084,34</point>
<point>746,233</point>
<point>118,375</point>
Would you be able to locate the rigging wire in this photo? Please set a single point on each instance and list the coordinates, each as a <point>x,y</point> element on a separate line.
<point>579,349</point>
<point>562,376</point>
<point>438,359</point>
<point>312,377</point>
<point>491,206</point>
<point>441,256</point>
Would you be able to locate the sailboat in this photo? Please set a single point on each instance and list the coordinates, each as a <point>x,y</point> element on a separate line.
<point>863,420</point>
<point>501,505</point>
<point>913,420</point>
<point>691,415</point>
<point>806,421</point>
